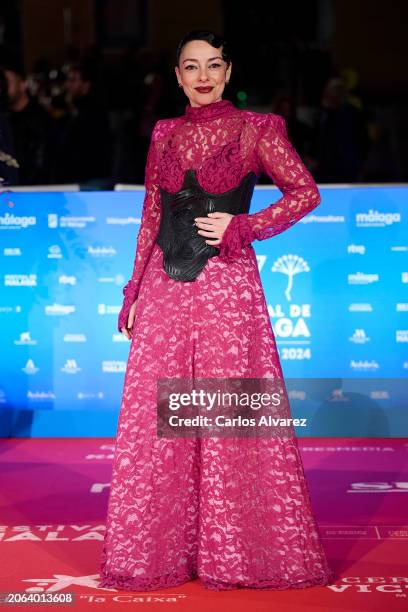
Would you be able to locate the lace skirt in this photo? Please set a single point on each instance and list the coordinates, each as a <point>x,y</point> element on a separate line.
<point>232,512</point>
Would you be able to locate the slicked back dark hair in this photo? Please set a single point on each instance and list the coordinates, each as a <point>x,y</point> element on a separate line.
<point>209,36</point>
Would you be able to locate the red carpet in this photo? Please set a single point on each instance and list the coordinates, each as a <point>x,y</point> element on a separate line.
<point>53,498</point>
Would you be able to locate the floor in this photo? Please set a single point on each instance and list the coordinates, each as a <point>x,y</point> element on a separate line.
<point>53,500</point>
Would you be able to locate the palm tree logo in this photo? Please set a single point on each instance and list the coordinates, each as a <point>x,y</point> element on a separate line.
<point>290,265</point>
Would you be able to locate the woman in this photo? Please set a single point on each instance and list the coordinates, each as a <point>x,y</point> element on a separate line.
<point>233,512</point>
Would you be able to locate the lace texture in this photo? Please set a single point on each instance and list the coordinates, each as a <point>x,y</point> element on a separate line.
<point>223,143</point>
<point>151,212</point>
<point>238,235</point>
<point>236,513</point>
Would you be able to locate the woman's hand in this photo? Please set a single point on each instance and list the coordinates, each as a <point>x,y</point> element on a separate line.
<point>214,225</point>
<point>127,331</point>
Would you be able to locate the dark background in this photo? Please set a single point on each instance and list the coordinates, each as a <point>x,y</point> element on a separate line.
<point>336,69</point>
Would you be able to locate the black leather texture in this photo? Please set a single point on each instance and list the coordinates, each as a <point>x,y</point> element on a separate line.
<point>185,252</point>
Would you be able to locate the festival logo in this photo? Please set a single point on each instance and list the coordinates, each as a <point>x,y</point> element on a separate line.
<point>30,367</point>
<point>12,252</point>
<point>54,252</point>
<point>64,279</point>
<point>20,280</point>
<point>290,319</point>
<point>59,582</point>
<point>106,309</point>
<point>360,307</point>
<point>375,218</point>
<point>114,367</point>
<point>102,251</point>
<point>358,249</point>
<point>74,338</point>
<point>70,367</point>
<point>359,337</point>
<point>361,278</point>
<point>291,265</point>
<point>40,396</point>
<point>9,221</point>
<point>364,365</point>
<point>59,309</point>
<point>25,338</point>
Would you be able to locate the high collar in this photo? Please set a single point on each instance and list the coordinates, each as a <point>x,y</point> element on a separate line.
<point>209,111</point>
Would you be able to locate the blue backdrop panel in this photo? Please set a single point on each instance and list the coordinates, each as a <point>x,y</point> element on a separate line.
<point>336,286</point>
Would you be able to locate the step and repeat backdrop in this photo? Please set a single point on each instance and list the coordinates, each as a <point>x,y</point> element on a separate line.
<point>336,285</point>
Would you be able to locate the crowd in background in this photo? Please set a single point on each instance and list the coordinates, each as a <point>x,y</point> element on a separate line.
<point>89,122</point>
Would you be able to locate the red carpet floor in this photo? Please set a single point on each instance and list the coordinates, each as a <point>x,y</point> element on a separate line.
<point>53,500</point>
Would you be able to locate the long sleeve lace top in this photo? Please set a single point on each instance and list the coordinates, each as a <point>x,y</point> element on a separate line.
<point>222,143</point>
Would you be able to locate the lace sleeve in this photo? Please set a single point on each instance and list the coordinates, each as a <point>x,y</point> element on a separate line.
<point>279,160</point>
<point>149,227</point>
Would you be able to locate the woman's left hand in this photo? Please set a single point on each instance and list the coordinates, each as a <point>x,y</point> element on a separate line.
<point>213,225</point>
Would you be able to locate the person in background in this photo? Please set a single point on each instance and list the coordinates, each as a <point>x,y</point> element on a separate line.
<point>31,129</point>
<point>341,138</point>
<point>299,132</point>
<point>148,94</point>
<point>83,135</point>
<point>9,167</point>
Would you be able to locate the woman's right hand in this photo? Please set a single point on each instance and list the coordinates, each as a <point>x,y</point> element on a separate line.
<point>127,331</point>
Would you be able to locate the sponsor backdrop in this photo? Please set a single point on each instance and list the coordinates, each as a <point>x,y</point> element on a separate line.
<point>336,285</point>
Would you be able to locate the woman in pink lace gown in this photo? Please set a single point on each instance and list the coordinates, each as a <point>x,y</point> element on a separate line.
<point>233,512</point>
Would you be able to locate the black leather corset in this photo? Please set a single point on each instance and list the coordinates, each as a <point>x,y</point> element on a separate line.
<point>185,252</point>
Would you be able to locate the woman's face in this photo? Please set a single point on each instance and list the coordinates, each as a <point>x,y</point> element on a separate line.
<point>202,72</point>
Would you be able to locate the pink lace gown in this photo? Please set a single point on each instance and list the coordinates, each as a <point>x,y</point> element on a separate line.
<point>233,512</point>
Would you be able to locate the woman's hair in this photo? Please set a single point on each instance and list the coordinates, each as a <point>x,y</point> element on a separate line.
<point>211,37</point>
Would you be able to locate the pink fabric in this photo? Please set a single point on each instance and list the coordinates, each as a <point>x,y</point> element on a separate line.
<point>237,235</point>
<point>223,144</point>
<point>234,512</point>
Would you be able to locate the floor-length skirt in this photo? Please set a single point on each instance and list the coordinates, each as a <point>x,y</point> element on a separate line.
<point>234,512</point>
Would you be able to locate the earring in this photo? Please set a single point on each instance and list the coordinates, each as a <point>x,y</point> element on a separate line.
<point>180,85</point>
